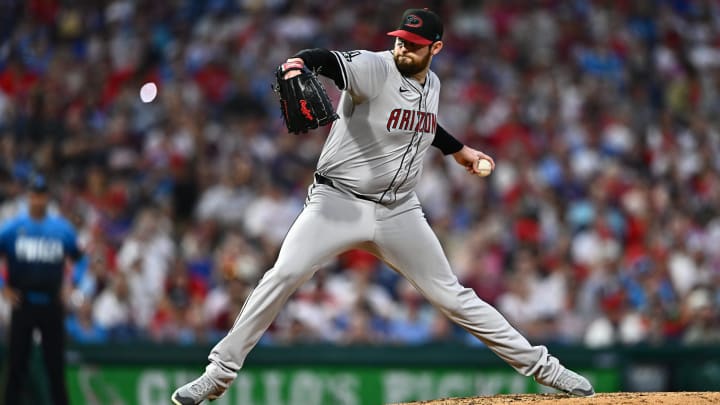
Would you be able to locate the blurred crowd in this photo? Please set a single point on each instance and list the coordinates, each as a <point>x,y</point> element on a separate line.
<point>599,226</point>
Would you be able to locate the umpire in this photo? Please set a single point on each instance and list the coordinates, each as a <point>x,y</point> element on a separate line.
<point>35,246</point>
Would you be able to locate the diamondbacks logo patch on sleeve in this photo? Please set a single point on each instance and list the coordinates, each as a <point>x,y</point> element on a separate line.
<point>349,55</point>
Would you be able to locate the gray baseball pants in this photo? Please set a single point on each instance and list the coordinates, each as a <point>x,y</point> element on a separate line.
<point>333,222</point>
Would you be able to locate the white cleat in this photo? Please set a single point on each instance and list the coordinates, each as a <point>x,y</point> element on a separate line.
<point>573,383</point>
<point>196,391</point>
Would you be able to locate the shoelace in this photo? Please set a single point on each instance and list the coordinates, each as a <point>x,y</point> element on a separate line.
<point>567,381</point>
<point>201,387</point>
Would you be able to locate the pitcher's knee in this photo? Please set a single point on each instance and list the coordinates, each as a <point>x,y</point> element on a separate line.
<point>455,309</point>
<point>455,303</point>
<point>449,305</point>
<point>287,274</point>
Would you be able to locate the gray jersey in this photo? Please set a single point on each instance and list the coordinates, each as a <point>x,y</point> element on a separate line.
<point>375,150</point>
<point>387,122</point>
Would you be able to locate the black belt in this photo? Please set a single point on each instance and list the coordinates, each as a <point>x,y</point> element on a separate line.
<point>320,179</point>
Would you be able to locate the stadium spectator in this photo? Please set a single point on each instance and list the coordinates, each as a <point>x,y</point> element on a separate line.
<point>82,328</point>
<point>602,117</point>
<point>112,310</point>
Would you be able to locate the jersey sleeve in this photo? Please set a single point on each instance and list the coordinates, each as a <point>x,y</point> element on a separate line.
<point>6,236</point>
<point>6,241</point>
<point>71,242</point>
<point>364,73</point>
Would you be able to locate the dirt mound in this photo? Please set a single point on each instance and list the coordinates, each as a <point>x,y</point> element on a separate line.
<point>617,398</point>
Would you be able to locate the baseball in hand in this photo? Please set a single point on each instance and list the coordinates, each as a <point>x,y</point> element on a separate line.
<point>483,167</point>
<point>148,92</point>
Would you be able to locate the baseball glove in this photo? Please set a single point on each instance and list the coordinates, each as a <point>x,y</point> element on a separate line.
<point>303,100</point>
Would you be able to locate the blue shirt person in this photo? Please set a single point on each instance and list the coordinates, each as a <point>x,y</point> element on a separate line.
<point>35,246</point>
<point>35,251</point>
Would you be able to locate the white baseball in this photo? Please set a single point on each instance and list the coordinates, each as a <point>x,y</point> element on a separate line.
<point>148,92</point>
<point>483,167</point>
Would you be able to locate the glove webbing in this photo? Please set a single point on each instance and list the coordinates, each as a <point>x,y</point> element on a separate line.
<point>313,107</point>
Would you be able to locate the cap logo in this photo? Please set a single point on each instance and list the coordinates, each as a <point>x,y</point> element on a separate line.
<point>413,21</point>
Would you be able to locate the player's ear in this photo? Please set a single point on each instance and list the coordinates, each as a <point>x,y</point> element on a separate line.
<point>436,47</point>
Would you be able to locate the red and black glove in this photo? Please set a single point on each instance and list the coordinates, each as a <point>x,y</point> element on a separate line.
<point>303,100</point>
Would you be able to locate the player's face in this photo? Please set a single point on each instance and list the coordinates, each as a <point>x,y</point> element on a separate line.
<point>411,58</point>
<point>37,202</point>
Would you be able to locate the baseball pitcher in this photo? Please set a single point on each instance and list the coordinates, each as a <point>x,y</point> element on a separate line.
<point>363,197</point>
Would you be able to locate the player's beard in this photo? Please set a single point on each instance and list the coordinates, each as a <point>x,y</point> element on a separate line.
<point>409,67</point>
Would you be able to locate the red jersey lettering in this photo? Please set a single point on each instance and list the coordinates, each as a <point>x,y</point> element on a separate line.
<point>393,120</point>
<point>404,120</point>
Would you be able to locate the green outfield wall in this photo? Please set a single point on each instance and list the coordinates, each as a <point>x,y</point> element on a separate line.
<point>142,374</point>
<point>308,385</point>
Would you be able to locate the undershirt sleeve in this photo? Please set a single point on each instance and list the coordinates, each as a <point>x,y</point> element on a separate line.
<point>324,63</point>
<point>446,142</point>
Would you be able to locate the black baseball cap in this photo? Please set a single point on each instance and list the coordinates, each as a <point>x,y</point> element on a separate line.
<point>419,26</point>
<point>38,184</point>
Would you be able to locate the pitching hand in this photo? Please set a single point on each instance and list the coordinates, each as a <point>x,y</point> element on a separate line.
<point>467,157</point>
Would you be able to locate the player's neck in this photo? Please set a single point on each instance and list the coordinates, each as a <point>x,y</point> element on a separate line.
<point>37,214</point>
<point>421,76</point>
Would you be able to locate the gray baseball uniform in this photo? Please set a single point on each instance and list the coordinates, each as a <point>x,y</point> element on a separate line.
<point>363,198</point>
